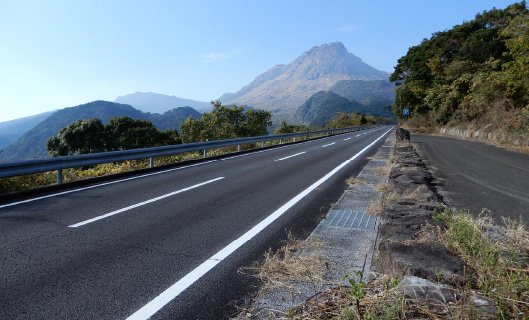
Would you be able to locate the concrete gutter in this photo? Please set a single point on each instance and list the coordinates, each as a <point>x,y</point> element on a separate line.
<point>349,235</point>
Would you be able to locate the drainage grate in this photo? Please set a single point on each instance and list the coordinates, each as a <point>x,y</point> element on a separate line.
<point>349,218</point>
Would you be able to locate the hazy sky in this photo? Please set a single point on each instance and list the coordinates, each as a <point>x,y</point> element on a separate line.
<point>56,54</point>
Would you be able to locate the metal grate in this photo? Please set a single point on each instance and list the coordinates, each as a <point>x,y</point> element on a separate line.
<point>349,218</point>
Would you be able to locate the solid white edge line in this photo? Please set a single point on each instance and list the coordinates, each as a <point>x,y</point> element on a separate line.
<point>82,223</point>
<point>173,291</point>
<point>294,155</point>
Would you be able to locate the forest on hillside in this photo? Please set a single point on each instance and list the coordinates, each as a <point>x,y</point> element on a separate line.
<point>476,73</point>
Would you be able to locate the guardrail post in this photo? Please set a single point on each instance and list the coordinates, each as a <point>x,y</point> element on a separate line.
<point>151,162</point>
<point>280,141</point>
<point>206,151</point>
<point>262,144</point>
<point>59,176</point>
<point>294,139</point>
<point>239,148</point>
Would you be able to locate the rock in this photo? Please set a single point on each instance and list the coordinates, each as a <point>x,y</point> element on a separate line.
<point>427,260</point>
<point>402,219</point>
<point>426,291</point>
<point>485,307</point>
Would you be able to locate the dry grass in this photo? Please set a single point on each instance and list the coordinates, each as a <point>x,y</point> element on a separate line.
<point>383,170</point>
<point>383,187</point>
<point>517,232</point>
<point>352,181</point>
<point>295,260</point>
<point>377,205</point>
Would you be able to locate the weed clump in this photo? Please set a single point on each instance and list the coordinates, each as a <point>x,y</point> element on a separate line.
<point>500,256</point>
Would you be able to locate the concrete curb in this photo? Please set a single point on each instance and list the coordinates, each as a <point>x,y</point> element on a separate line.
<point>350,236</point>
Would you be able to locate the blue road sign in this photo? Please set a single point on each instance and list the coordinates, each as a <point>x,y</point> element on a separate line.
<point>406,112</point>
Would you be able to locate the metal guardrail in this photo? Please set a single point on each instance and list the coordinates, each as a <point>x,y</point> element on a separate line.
<point>60,163</point>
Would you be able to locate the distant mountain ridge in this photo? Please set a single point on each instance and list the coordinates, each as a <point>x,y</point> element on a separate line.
<point>11,130</point>
<point>159,103</point>
<point>324,105</point>
<point>365,90</point>
<point>283,88</point>
<point>32,144</point>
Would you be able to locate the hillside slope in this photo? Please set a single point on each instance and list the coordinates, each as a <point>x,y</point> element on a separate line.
<point>159,103</point>
<point>365,90</point>
<point>324,105</point>
<point>32,144</point>
<point>11,130</point>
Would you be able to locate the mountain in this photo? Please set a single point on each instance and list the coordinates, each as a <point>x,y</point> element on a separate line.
<point>32,144</point>
<point>322,106</point>
<point>285,87</point>
<point>171,119</point>
<point>11,130</point>
<point>226,96</point>
<point>365,90</point>
<point>159,103</point>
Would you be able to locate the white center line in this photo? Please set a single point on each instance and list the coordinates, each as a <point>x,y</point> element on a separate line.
<point>178,287</point>
<point>297,154</point>
<point>141,204</point>
<point>330,144</point>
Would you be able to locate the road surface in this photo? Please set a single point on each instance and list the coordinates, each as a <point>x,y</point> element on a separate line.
<point>168,244</point>
<point>478,176</point>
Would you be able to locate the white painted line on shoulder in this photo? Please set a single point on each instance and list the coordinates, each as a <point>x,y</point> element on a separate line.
<point>173,291</point>
<point>294,155</point>
<point>141,204</point>
<point>330,144</point>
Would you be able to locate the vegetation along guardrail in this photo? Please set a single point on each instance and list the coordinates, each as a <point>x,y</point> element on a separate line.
<point>60,163</point>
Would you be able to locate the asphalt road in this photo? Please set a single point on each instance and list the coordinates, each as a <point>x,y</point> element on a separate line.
<point>168,245</point>
<point>477,176</point>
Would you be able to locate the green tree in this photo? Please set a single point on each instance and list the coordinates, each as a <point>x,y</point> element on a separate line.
<point>284,128</point>
<point>462,73</point>
<point>120,133</point>
<point>79,137</point>
<point>226,123</point>
<point>123,133</point>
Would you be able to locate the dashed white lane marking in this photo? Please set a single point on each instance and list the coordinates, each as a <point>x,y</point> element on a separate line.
<point>294,155</point>
<point>346,139</point>
<point>330,144</point>
<point>141,204</point>
<point>140,176</point>
<point>173,291</point>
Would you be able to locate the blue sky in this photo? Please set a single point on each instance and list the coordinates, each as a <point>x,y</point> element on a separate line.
<point>56,54</point>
